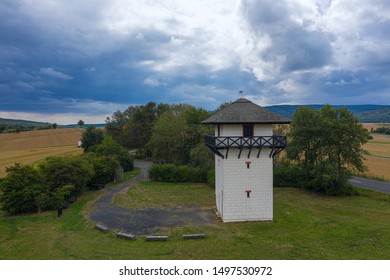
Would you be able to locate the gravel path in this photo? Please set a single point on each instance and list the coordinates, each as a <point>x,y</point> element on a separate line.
<point>145,221</point>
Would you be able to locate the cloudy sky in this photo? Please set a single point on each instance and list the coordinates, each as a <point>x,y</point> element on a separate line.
<point>65,60</point>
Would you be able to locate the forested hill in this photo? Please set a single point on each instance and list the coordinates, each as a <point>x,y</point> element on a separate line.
<point>365,113</point>
<point>377,116</point>
<point>12,124</point>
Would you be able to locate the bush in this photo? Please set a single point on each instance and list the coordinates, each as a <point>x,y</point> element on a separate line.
<point>110,148</point>
<point>20,189</point>
<point>49,200</point>
<point>62,171</point>
<point>319,178</point>
<point>211,177</point>
<point>104,167</point>
<point>172,173</point>
<point>287,175</point>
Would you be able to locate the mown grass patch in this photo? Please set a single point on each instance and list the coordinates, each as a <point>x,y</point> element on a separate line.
<point>306,226</point>
<point>158,195</point>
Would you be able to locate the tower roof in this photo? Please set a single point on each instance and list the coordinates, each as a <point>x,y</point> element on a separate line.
<point>245,111</point>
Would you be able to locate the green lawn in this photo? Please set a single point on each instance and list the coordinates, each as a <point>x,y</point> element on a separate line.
<point>305,226</point>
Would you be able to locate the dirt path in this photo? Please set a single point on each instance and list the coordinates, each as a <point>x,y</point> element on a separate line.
<point>145,221</point>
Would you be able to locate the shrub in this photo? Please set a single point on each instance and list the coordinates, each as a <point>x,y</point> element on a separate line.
<point>110,148</point>
<point>104,167</point>
<point>48,200</point>
<point>62,171</point>
<point>172,173</point>
<point>20,189</point>
<point>287,175</point>
<point>211,177</point>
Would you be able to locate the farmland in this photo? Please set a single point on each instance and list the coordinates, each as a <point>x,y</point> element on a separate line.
<point>33,146</point>
<point>378,160</point>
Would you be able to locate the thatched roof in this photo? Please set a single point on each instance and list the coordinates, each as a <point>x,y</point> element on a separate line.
<point>244,111</point>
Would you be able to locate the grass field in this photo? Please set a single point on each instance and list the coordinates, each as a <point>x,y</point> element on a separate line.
<point>33,146</point>
<point>305,226</point>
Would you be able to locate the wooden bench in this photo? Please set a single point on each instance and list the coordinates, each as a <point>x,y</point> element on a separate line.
<point>156,238</point>
<point>194,236</point>
<point>101,227</point>
<point>125,235</point>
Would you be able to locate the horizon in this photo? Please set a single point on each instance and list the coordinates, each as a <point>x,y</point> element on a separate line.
<point>64,61</point>
<point>103,121</point>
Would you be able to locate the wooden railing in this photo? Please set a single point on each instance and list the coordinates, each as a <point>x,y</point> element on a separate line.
<point>275,143</point>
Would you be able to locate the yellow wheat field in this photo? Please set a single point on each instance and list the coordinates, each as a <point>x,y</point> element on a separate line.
<point>378,167</point>
<point>379,146</point>
<point>34,146</point>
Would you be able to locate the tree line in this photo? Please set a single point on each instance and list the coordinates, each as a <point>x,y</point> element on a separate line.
<point>167,133</point>
<point>324,149</point>
<point>58,180</point>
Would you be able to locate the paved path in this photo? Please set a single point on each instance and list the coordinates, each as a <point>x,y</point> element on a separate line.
<point>379,186</point>
<point>145,221</point>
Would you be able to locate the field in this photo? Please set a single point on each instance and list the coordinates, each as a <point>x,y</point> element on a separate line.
<point>378,160</point>
<point>305,226</point>
<point>33,146</point>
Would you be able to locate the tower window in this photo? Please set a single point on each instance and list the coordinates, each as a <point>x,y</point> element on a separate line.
<point>247,130</point>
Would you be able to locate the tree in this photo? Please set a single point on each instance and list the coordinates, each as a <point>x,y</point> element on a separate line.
<point>327,145</point>
<point>138,128</point>
<point>20,189</point>
<point>109,147</point>
<point>177,132</point>
<point>169,138</point>
<point>63,171</point>
<point>90,137</point>
<point>104,167</point>
<point>80,123</point>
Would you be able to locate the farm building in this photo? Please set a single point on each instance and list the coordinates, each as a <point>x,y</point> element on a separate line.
<point>244,148</point>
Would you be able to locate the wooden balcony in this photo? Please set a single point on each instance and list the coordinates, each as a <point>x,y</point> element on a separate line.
<point>275,143</point>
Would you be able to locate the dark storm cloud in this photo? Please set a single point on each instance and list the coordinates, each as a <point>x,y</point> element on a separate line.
<point>301,47</point>
<point>94,57</point>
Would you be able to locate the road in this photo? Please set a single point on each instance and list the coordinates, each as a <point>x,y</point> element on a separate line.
<point>374,185</point>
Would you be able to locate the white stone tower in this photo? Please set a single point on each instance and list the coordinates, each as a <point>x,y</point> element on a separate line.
<point>244,147</point>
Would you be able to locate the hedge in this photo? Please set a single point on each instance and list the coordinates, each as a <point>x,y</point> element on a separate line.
<point>172,173</point>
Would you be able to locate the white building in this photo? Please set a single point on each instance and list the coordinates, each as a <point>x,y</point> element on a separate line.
<point>244,147</point>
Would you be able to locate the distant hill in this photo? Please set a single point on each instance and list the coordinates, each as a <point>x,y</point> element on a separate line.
<point>375,116</point>
<point>11,124</point>
<point>365,113</point>
<point>86,125</point>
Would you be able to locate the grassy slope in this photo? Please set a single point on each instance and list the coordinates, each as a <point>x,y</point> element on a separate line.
<point>306,226</point>
<point>32,146</point>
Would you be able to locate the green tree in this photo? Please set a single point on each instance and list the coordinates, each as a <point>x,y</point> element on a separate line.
<point>168,141</point>
<point>327,145</point>
<point>138,128</point>
<point>104,167</point>
<point>90,137</point>
<point>80,123</point>
<point>109,147</point>
<point>115,125</point>
<point>177,132</point>
<point>61,171</point>
<point>20,189</point>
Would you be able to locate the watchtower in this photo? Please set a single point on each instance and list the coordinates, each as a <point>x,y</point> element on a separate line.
<point>244,148</point>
